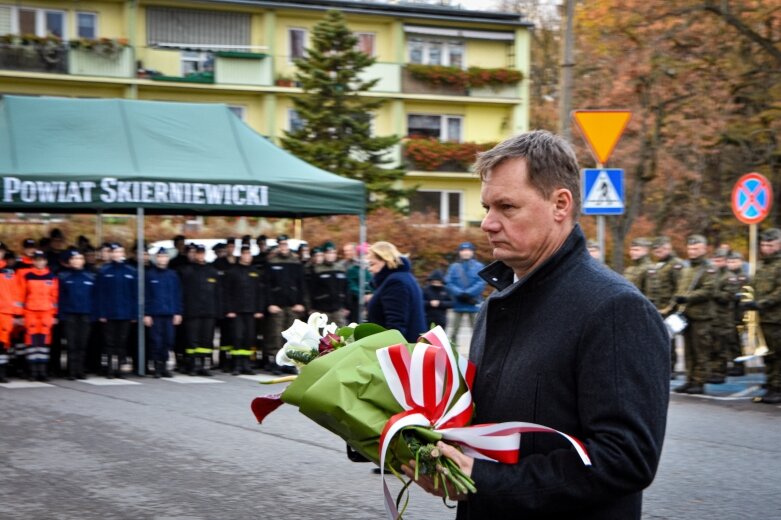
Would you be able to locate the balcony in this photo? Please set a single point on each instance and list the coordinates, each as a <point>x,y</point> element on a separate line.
<point>433,155</point>
<point>46,56</point>
<point>114,62</point>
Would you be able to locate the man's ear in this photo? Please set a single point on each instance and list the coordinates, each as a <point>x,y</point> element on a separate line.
<point>562,204</point>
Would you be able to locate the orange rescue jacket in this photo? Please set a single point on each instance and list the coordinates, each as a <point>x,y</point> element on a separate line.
<point>40,289</point>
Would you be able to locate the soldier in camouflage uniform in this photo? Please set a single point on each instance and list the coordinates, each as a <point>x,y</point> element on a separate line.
<point>661,281</point>
<point>767,287</point>
<point>729,283</point>
<point>638,252</point>
<point>695,299</point>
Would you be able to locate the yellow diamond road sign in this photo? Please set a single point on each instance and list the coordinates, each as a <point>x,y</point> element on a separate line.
<point>602,130</point>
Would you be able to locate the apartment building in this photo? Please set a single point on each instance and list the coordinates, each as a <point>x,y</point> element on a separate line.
<point>453,80</point>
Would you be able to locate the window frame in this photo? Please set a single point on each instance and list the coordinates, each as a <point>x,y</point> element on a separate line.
<point>373,35</point>
<point>444,128</point>
<point>444,206</point>
<point>290,30</point>
<point>203,58</point>
<point>40,20</point>
<point>428,43</point>
<point>94,16</point>
<point>291,114</point>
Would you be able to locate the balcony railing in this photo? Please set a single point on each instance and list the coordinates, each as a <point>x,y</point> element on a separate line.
<point>46,57</point>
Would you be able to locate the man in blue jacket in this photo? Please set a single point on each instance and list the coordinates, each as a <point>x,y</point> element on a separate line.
<point>163,310</point>
<point>464,284</point>
<point>76,310</point>
<point>116,306</point>
<point>563,342</point>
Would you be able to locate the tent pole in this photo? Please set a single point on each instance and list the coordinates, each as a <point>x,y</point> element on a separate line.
<point>361,271</point>
<point>99,229</point>
<point>141,286</point>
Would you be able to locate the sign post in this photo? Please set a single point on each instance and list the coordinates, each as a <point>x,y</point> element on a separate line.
<point>752,198</point>
<point>603,189</point>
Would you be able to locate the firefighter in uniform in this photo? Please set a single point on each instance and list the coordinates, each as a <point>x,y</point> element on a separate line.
<point>695,296</point>
<point>163,310</point>
<point>767,300</point>
<point>39,294</point>
<point>224,262</point>
<point>116,305</point>
<point>202,295</point>
<point>328,286</point>
<point>245,302</point>
<point>638,253</point>
<point>10,309</point>
<point>284,280</point>
<point>77,310</point>
<point>661,281</point>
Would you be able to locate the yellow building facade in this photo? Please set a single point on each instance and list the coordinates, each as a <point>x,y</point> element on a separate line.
<point>242,54</point>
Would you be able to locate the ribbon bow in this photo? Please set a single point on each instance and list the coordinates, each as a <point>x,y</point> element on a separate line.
<point>426,382</point>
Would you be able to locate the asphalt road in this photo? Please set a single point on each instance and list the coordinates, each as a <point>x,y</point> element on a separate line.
<point>161,449</point>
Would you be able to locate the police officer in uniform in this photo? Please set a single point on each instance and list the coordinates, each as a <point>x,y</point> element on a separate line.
<point>328,286</point>
<point>202,295</point>
<point>767,300</point>
<point>76,308</point>
<point>163,310</point>
<point>638,253</point>
<point>661,281</point>
<point>695,299</point>
<point>245,302</point>
<point>284,280</point>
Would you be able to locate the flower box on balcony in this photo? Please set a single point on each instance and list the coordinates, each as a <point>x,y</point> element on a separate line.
<point>33,54</point>
<point>428,154</point>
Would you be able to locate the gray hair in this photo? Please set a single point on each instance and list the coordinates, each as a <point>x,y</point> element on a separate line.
<point>550,162</point>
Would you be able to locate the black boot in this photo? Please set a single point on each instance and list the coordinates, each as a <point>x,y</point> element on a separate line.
<point>42,372</point>
<point>236,365</point>
<point>2,374</point>
<point>158,370</point>
<point>33,368</point>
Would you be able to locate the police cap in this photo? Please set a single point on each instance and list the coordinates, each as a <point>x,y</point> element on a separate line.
<point>219,246</point>
<point>466,245</point>
<point>245,248</point>
<point>200,248</point>
<point>27,243</point>
<point>114,246</point>
<point>70,253</point>
<point>39,254</point>
<point>696,239</point>
<point>771,235</point>
<point>282,238</point>
<point>641,242</point>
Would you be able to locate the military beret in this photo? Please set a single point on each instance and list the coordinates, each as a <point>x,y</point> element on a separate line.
<point>328,246</point>
<point>735,255</point>
<point>39,254</point>
<point>317,250</point>
<point>721,252</point>
<point>660,241</point>
<point>230,240</point>
<point>28,243</point>
<point>770,235</point>
<point>466,245</point>
<point>282,238</point>
<point>641,242</point>
<point>696,239</point>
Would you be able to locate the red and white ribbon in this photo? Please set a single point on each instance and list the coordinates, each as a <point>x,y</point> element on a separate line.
<point>426,382</point>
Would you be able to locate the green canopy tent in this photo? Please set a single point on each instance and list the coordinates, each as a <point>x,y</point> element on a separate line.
<point>125,156</point>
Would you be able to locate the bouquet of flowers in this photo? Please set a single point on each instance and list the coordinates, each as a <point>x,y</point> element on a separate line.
<point>392,401</point>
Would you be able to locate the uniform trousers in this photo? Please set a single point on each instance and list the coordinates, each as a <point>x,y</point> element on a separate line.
<point>77,330</point>
<point>772,332</point>
<point>244,334</point>
<point>115,334</point>
<point>200,336</point>
<point>38,323</point>
<point>162,336</point>
<point>697,345</point>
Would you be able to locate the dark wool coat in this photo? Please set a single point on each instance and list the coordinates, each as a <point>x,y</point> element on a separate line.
<point>575,347</point>
<point>397,302</point>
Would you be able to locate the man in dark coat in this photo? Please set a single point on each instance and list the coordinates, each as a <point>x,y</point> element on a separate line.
<point>245,302</point>
<point>562,342</point>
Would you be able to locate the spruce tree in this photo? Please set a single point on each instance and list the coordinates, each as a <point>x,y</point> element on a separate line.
<point>336,134</point>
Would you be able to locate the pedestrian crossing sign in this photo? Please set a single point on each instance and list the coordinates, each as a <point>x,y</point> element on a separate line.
<point>603,191</point>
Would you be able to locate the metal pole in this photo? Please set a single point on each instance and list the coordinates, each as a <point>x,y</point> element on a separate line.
<point>567,64</point>
<point>601,236</point>
<point>361,272</point>
<point>140,262</point>
<point>752,251</point>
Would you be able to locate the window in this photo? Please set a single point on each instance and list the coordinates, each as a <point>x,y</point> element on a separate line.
<point>40,22</point>
<point>436,52</point>
<point>193,61</point>
<point>294,120</point>
<point>365,43</point>
<point>87,25</point>
<point>444,128</point>
<point>297,47</point>
<point>446,205</point>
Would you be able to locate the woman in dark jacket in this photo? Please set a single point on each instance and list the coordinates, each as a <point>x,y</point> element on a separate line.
<point>397,301</point>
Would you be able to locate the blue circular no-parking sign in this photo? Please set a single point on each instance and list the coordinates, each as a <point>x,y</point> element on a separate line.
<point>752,198</point>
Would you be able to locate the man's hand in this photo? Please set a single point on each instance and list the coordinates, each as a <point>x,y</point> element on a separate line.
<point>434,303</point>
<point>147,321</point>
<point>177,319</point>
<point>274,309</point>
<point>297,308</point>
<point>427,482</point>
<point>258,315</point>
<point>230,315</point>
